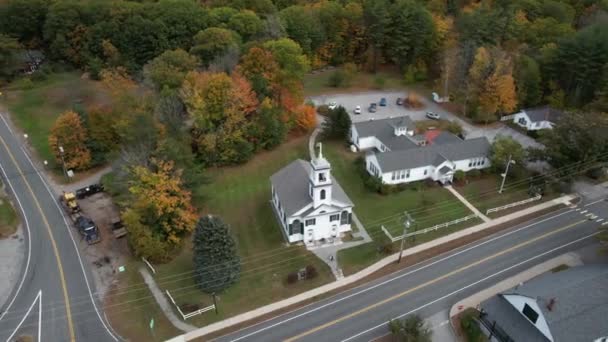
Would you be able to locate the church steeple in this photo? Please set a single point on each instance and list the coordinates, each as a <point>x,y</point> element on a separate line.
<point>320,179</point>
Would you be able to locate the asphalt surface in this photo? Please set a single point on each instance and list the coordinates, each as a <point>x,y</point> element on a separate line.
<point>54,273</point>
<point>435,285</point>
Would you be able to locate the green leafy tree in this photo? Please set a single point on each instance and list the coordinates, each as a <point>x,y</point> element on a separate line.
<point>579,137</point>
<point>268,130</point>
<point>411,329</point>
<point>216,261</point>
<point>412,33</point>
<point>24,19</point>
<point>337,124</point>
<point>170,68</point>
<point>246,23</point>
<point>214,42</point>
<point>377,20</point>
<point>303,27</point>
<point>502,148</point>
<point>528,80</point>
<point>9,50</point>
<point>292,62</point>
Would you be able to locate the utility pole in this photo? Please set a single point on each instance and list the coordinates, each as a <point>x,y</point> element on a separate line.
<point>406,225</point>
<point>61,152</point>
<point>504,175</point>
<point>214,302</point>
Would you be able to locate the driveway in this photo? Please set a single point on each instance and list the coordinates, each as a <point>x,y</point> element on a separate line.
<point>350,101</point>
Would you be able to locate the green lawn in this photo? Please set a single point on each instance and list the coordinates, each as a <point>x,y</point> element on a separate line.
<point>130,306</point>
<point>317,83</point>
<point>483,193</point>
<point>35,109</point>
<point>8,218</point>
<point>240,195</point>
<point>427,206</point>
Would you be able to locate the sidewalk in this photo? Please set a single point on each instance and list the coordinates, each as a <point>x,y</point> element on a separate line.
<point>469,205</point>
<point>162,301</point>
<point>570,259</point>
<point>365,272</point>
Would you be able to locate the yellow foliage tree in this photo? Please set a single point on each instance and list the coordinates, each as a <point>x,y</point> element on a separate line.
<point>161,212</point>
<point>69,134</point>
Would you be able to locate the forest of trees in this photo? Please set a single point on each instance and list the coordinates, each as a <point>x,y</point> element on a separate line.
<point>208,83</point>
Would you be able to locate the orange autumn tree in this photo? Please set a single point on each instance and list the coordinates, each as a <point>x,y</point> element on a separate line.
<point>161,215</point>
<point>306,117</point>
<point>68,133</point>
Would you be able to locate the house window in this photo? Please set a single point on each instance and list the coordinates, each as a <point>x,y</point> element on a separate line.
<point>393,176</point>
<point>470,163</point>
<point>333,218</point>
<point>295,227</point>
<point>311,222</point>
<point>322,177</point>
<point>407,175</point>
<point>425,171</point>
<point>344,218</point>
<point>322,194</point>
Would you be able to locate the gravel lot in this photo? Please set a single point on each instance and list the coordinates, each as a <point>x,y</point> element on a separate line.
<point>350,101</point>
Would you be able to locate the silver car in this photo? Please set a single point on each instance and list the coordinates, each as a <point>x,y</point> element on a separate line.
<point>433,116</point>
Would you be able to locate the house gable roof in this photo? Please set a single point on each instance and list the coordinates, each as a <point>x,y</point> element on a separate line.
<point>384,130</point>
<point>580,296</point>
<point>544,113</point>
<point>433,155</point>
<point>291,185</point>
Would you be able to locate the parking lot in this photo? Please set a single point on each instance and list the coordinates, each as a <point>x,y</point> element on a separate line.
<point>350,101</point>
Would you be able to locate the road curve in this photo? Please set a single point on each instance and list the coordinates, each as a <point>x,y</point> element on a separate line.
<point>54,300</point>
<point>433,286</point>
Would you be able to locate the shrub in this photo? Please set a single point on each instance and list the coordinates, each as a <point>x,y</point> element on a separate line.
<point>292,278</point>
<point>337,79</point>
<point>387,248</point>
<point>39,76</point>
<point>459,176</point>
<point>311,272</point>
<point>471,328</point>
<point>430,183</point>
<point>379,82</point>
<point>413,101</point>
<point>453,127</point>
<point>596,173</point>
<point>26,83</point>
<point>474,173</point>
<point>373,184</point>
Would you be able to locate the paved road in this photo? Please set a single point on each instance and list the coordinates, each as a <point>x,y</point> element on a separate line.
<point>432,287</point>
<point>54,274</point>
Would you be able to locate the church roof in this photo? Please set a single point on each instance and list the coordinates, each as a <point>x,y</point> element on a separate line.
<point>291,184</point>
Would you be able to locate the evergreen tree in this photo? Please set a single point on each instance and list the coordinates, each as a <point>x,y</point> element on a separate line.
<point>216,261</point>
<point>337,124</point>
<point>411,329</point>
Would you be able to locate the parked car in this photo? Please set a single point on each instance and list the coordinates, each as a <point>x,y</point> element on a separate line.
<point>372,108</point>
<point>383,102</point>
<point>399,101</point>
<point>358,110</point>
<point>433,116</point>
<point>332,105</point>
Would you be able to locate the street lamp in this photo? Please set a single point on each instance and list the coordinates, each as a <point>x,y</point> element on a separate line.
<point>504,175</point>
<point>61,152</point>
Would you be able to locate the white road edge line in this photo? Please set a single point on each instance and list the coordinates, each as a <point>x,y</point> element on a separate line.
<point>29,244</point>
<point>39,300</point>
<point>71,236</point>
<point>592,203</point>
<point>67,226</point>
<point>388,280</point>
<point>473,284</point>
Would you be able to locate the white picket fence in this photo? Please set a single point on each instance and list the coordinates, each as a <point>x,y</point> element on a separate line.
<point>514,204</point>
<point>190,314</point>
<point>429,229</point>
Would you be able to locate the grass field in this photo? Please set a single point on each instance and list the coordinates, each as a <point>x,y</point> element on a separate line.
<point>34,109</point>
<point>318,83</point>
<point>130,306</point>
<point>240,195</point>
<point>8,218</point>
<point>483,193</point>
<point>428,206</point>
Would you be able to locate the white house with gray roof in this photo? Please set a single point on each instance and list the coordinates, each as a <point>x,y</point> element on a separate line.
<point>309,203</point>
<point>570,305</point>
<point>397,155</point>
<point>533,119</point>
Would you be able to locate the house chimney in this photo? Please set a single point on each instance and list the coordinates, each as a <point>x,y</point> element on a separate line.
<point>551,304</point>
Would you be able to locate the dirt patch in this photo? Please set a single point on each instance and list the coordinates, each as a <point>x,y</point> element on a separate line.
<point>110,253</point>
<point>391,268</point>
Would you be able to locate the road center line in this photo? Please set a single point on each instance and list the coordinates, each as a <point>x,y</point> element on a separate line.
<point>472,284</point>
<point>431,282</point>
<point>395,276</point>
<point>53,243</point>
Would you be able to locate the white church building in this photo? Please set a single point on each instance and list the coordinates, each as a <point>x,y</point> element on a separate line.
<point>309,203</point>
